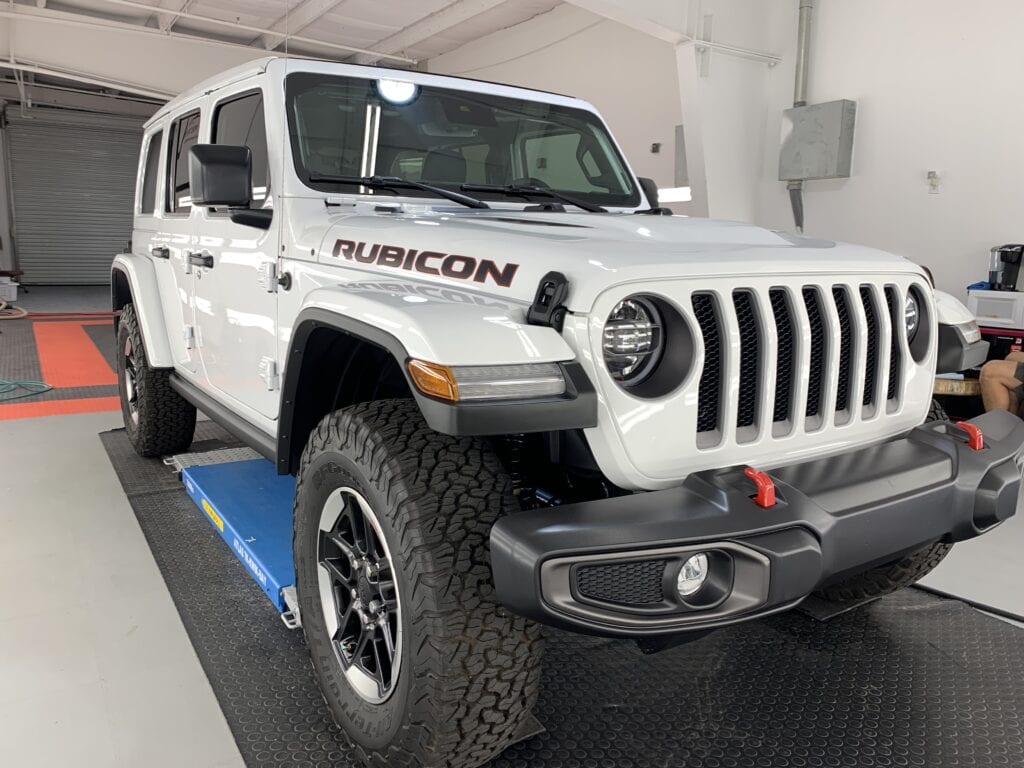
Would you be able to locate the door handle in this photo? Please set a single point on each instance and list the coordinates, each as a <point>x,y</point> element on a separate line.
<point>200,259</point>
<point>160,251</point>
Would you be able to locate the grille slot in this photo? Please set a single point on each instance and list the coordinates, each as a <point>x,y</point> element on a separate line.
<point>895,350</point>
<point>786,361</point>
<point>871,359</point>
<point>788,336</point>
<point>750,345</point>
<point>708,409</point>
<point>815,383</point>
<point>845,348</point>
<point>638,583</point>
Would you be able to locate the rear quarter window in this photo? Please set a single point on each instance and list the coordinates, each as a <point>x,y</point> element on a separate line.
<point>150,171</point>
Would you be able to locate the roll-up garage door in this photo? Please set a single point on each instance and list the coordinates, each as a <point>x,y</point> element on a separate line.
<point>73,189</point>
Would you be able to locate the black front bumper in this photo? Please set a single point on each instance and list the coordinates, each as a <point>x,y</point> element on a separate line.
<point>609,567</point>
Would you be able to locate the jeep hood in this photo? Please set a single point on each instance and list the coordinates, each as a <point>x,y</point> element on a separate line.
<point>506,252</point>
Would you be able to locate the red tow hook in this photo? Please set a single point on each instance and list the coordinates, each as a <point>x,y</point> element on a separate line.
<point>975,439</point>
<point>765,487</point>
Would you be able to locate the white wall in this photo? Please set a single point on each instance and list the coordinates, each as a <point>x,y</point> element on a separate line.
<point>630,77</point>
<point>726,102</point>
<point>938,86</point>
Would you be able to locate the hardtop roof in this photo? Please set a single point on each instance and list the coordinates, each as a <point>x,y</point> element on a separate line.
<point>260,65</point>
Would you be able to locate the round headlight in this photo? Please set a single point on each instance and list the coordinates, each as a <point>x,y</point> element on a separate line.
<point>912,316</point>
<point>632,340</point>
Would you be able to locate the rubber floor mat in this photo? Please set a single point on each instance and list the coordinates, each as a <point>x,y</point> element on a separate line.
<point>74,355</point>
<point>908,680</point>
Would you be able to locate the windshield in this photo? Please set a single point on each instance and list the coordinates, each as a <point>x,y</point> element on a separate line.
<point>340,126</point>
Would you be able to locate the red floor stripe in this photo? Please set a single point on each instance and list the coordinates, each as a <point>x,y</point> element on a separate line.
<point>58,407</point>
<point>68,358</point>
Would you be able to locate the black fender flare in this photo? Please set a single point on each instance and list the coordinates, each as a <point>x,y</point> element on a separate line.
<point>576,409</point>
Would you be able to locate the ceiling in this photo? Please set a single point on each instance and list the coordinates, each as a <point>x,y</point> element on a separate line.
<point>398,33</point>
<point>410,30</point>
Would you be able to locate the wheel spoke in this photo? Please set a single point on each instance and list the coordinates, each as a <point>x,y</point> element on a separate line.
<point>363,596</point>
<point>346,548</point>
<point>336,572</point>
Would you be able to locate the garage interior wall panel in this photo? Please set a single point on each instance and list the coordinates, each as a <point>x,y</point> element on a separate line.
<point>73,189</point>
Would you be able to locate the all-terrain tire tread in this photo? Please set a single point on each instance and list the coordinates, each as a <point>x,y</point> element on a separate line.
<point>888,578</point>
<point>167,421</point>
<point>476,666</point>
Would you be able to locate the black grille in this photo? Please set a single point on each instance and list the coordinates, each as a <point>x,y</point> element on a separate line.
<point>784,365</point>
<point>817,362</point>
<point>871,361</point>
<point>845,348</point>
<point>638,583</point>
<point>750,345</point>
<point>895,351</point>
<point>711,379</point>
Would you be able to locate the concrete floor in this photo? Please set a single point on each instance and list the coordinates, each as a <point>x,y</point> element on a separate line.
<point>988,570</point>
<point>64,298</point>
<point>95,667</point>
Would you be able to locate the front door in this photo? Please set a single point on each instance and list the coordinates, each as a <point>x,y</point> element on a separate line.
<point>234,269</point>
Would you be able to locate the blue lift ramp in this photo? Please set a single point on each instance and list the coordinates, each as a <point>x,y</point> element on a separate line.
<point>250,506</point>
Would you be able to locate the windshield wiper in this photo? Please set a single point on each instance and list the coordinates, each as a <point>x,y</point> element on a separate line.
<point>394,183</point>
<point>527,191</point>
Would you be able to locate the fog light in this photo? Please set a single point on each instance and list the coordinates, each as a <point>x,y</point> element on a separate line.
<point>692,575</point>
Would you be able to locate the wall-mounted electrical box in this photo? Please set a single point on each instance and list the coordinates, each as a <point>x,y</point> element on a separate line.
<point>817,141</point>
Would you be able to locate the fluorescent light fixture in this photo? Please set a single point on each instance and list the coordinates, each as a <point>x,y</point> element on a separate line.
<point>397,91</point>
<point>674,195</point>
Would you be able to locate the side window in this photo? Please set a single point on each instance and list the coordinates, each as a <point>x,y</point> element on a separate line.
<point>184,135</point>
<point>149,174</point>
<point>239,122</point>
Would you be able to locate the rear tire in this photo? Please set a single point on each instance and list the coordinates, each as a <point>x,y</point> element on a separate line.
<point>454,675</point>
<point>157,419</point>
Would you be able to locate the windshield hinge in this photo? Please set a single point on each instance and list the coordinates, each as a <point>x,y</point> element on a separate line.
<point>547,308</point>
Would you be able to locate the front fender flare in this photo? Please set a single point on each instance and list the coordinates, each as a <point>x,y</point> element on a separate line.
<point>140,275</point>
<point>577,409</point>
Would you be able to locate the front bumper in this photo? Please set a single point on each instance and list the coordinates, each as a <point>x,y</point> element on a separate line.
<point>609,567</point>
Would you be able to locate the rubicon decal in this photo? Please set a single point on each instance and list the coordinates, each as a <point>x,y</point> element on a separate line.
<point>427,262</point>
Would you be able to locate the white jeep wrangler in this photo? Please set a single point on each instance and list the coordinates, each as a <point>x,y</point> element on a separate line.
<point>515,392</point>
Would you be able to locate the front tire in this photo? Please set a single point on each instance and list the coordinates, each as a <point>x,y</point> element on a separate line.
<point>157,419</point>
<point>893,576</point>
<point>888,578</point>
<point>418,663</point>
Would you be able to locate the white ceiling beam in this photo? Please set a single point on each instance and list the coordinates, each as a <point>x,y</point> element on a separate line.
<point>68,98</point>
<point>302,16</point>
<point>647,17</point>
<point>81,77</point>
<point>166,21</point>
<point>450,16</point>
<point>238,27</point>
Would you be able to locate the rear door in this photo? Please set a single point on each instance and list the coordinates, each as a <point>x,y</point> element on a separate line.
<point>235,297</point>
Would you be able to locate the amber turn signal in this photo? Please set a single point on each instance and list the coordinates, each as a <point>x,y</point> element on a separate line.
<point>434,380</point>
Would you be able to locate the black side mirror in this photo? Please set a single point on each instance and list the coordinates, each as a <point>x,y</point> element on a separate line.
<point>650,190</point>
<point>220,175</point>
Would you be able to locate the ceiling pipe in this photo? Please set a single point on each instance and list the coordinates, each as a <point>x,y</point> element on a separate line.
<point>803,66</point>
<point>803,54</point>
<point>262,31</point>
<point>22,66</point>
